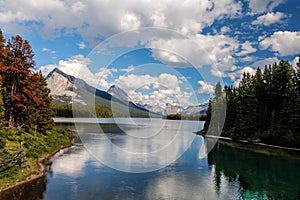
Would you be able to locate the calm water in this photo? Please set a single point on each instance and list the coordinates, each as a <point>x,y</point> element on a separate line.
<point>226,173</point>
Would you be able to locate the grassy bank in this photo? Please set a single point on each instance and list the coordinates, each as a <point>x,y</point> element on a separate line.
<point>36,146</point>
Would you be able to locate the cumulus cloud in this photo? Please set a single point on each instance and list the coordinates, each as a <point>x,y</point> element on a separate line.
<point>269,18</point>
<point>81,45</point>
<point>155,90</point>
<point>45,49</point>
<point>93,18</point>
<point>197,51</point>
<point>128,69</point>
<point>247,48</point>
<point>295,61</point>
<point>261,6</point>
<point>238,75</point>
<point>267,61</point>
<point>205,88</point>
<point>78,66</point>
<point>133,81</point>
<point>284,42</point>
<point>161,89</point>
<point>225,29</point>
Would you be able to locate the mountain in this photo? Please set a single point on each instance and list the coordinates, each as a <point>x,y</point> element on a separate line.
<point>199,109</point>
<point>153,108</point>
<point>173,109</point>
<point>118,93</point>
<point>67,89</point>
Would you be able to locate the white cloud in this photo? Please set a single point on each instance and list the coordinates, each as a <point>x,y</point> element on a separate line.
<point>248,59</point>
<point>262,63</point>
<point>152,90</point>
<point>94,18</point>
<point>283,42</point>
<point>198,50</point>
<point>134,82</point>
<point>269,18</point>
<point>161,89</point>
<point>205,88</point>
<point>261,6</point>
<point>128,69</point>
<point>78,66</point>
<point>225,29</point>
<point>45,49</point>
<point>168,81</point>
<point>295,61</point>
<point>247,48</point>
<point>47,69</point>
<point>81,45</point>
<point>238,75</point>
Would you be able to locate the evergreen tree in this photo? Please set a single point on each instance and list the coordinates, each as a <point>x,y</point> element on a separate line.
<point>41,109</point>
<point>230,110</point>
<point>265,107</point>
<point>16,72</point>
<point>26,97</point>
<point>218,90</point>
<point>208,117</point>
<point>2,108</point>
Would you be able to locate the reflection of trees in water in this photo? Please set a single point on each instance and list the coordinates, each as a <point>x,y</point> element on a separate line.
<point>259,175</point>
<point>33,189</point>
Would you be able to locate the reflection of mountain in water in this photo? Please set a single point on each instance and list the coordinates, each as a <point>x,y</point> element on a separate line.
<point>259,175</point>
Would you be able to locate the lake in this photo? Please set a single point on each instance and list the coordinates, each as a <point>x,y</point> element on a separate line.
<point>162,159</point>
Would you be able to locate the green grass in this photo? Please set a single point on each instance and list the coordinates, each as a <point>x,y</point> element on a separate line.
<point>35,145</point>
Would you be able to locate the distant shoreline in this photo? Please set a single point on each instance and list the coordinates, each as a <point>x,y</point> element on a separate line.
<point>254,147</point>
<point>253,143</point>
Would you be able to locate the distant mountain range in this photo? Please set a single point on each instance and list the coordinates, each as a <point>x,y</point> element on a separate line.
<point>67,89</point>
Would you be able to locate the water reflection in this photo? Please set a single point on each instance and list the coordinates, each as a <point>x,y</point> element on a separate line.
<point>259,176</point>
<point>143,147</point>
<point>187,178</point>
<point>226,173</point>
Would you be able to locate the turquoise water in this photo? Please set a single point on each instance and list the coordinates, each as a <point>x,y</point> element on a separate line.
<point>184,171</point>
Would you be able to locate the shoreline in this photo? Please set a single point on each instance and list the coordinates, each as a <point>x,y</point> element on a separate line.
<point>252,143</point>
<point>42,161</point>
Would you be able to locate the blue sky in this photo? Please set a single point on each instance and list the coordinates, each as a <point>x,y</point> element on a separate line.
<point>159,52</point>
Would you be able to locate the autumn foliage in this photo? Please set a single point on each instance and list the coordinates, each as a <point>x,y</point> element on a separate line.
<point>26,98</point>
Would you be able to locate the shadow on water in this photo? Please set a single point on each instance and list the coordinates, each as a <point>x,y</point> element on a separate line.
<point>260,176</point>
<point>32,190</point>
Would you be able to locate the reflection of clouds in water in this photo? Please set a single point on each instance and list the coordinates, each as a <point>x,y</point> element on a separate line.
<point>186,185</point>
<point>72,163</point>
<point>131,153</point>
<point>189,178</point>
<point>203,152</point>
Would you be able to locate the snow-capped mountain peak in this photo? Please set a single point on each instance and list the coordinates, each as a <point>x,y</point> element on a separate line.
<point>118,93</point>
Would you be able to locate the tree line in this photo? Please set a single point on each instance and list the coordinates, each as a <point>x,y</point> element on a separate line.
<point>67,110</point>
<point>265,107</point>
<point>178,116</point>
<point>25,100</point>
